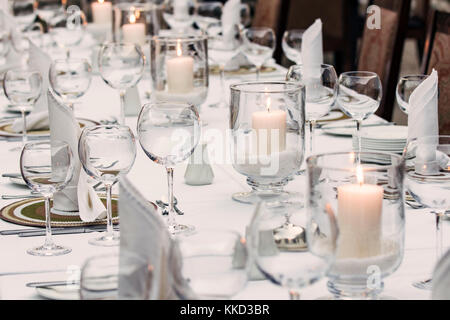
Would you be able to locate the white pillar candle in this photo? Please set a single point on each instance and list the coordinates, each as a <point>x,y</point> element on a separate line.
<point>180,72</point>
<point>359,216</point>
<point>270,124</point>
<point>134,32</point>
<point>101,12</point>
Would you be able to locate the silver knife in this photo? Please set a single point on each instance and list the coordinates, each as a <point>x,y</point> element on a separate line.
<point>63,231</point>
<point>51,283</point>
<point>354,126</point>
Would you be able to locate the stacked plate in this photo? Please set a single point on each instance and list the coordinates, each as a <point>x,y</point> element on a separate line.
<point>387,139</point>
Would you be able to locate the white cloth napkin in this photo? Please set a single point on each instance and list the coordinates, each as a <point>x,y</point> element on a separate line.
<point>230,18</point>
<point>312,50</point>
<point>78,195</point>
<point>441,279</point>
<point>38,117</point>
<point>143,233</point>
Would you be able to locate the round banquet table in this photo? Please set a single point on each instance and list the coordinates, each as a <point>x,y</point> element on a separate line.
<point>205,207</point>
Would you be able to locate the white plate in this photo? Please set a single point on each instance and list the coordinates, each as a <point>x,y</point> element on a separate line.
<point>385,133</point>
<point>345,128</point>
<point>70,292</point>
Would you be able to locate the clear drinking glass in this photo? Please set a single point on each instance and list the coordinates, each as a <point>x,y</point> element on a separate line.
<point>179,14</point>
<point>107,151</point>
<point>405,87</point>
<point>428,182</point>
<point>47,168</point>
<point>321,93</point>
<point>121,66</point>
<point>216,263</point>
<point>23,87</point>
<point>292,45</point>
<point>207,14</point>
<point>267,122</point>
<point>70,78</point>
<point>258,45</point>
<point>168,133</point>
<point>359,96</point>
<point>365,195</point>
<point>286,261</point>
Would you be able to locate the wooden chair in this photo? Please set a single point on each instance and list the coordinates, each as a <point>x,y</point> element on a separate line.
<point>436,56</point>
<point>381,49</point>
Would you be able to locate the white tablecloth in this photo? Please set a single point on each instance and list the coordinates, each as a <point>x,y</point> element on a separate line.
<point>204,207</point>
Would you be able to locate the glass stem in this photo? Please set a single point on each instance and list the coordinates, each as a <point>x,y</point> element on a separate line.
<point>67,53</point>
<point>171,215</point>
<point>222,84</point>
<point>358,134</point>
<point>258,70</point>
<point>24,128</point>
<point>439,235</point>
<point>122,107</point>
<point>48,227</point>
<point>109,223</point>
<point>294,295</point>
<point>312,126</point>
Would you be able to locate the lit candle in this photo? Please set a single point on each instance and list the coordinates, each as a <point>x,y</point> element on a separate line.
<point>359,217</point>
<point>180,72</point>
<point>134,32</point>
<point>101,12</point>
<point>270,124</point>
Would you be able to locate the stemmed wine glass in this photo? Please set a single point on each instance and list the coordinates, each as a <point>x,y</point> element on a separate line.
<point>70,78</point>
<point>286,261</point>
<point>359,96</point>
<point>168,134</point>
<point>121,66</point>
<point>405,87</point>
<point>107,151</point>
<point>321,94</point>
<point>23,87</point>
<point>47,168</point>
<point>292,45</point>
<point>427,180</point>
<point>207,14</point>
<point>258,45</point>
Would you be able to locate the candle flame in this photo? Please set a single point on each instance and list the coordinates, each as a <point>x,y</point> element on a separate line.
<point>137,14</point>
<point>101,1</point>
<point>268,103</point>
<point>179,52</point>
<point>132,18</point>
<point>359,175</point>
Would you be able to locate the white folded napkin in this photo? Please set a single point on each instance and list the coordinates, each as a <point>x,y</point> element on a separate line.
<point>38,117</point>
<point>143,233</point>
<point>312,50</point>
<point>441,279</point>
<point>78,195</point>
<point>230,18</point>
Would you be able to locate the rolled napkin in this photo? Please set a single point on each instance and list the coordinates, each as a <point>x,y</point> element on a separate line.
<point>143,233</point>
<point>230,18</point>
<point>441,279</point>
<point>78,195</point>
<point>38,117</point>
<point>312,50</point>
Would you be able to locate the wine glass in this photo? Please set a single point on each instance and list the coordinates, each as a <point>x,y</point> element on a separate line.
<point>70,78</point>
<point>168,134</point>
<point>359,96</point>
<point>285,261</point>
<point>405,87</point>
<point>258,45</point>
<point>427,180</point>
<point>207,14</point>
<point>121,66</point>
<point>47,168</point>
<point>292,45</point>
<point>216,263</point>
<point>23,87</point>
<point>179,14</point>
<point>321,94</point>
<point>107,151</point>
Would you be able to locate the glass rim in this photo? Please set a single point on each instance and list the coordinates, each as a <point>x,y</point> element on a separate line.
<point>259,29</point>
<point>174,38</point>
<point>104,126</point>
<point>310,159</point>
<point>360,74</point>
<point>417,76</point>
<point>70,60</point>
<point>29,145</point>
<point>120,44</point>
<point>324,66</point>
<point>22,70</point>
<point>167,104</point>
<point>240,86</point>
<point>128,6</point>
<point>301,31</point>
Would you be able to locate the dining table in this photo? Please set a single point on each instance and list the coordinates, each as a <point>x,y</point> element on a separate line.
<point>205,207</point>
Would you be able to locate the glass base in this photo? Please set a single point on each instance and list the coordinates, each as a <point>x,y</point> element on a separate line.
<point>178,229</point>
<point>106,240</point>
<point>424,284</point>
<point>354,291</point>
<point>254,197</point>
<point>49,250</point>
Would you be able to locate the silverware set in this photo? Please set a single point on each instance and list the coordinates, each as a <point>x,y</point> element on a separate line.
<point>165,207</point>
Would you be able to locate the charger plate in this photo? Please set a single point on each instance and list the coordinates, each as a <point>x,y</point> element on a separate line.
<point>31,212</point>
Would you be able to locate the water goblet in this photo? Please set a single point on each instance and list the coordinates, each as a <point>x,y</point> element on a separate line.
<point>427,180</point>
<point>168,133</point>
<point>258,45</point>
<point>121,66</point>
<point>359,96</point>
<point>107,151</point>
<point>23,87</point>
<point>207,14</point>
<point>70,78</point>
<point>292,45</point>
<point>405,87</point>
<point>47,168</point>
